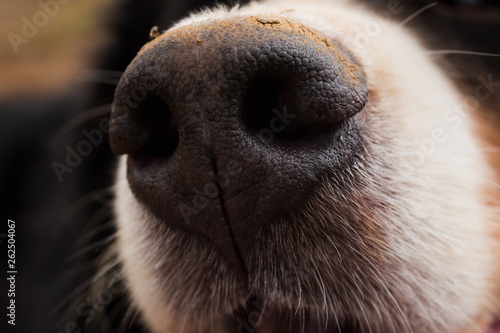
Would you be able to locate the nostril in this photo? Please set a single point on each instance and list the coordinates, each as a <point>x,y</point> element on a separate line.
<point>163,138</point>
<point>269,106</point>
<point>199,105</point>
<point>165,135</point>
<point>145,129</point>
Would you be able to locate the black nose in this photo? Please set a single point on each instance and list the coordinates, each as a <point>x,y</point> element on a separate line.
<point>231,125</point>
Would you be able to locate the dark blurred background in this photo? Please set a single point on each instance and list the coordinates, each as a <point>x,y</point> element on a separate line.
<point>60,50</point>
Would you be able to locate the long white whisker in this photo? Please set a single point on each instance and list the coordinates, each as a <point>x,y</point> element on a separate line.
<point>97,230</point>
<point>102,273</point>
<point>80,119</point>
<point>463,52</point>
<point>378,275</point>
<point>101,76</point>
<point>94,196</point>
<point>89,248</point>
<point>418,12</point>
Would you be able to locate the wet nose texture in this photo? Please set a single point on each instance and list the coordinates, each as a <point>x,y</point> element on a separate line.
<point>232,124</point>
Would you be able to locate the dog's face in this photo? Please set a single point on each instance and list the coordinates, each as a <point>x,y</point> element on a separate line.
<point>301,167</point>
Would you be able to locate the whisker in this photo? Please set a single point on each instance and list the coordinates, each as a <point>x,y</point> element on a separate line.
<point>129,318</point>
<point>97,230</point>
<point>74,302</point>
<point>418,12</point>
<point>100,215</point>
<point>101,76</point>
<point>490,149</point>
<point>92,197</point>
<point>104,72</point>
<point>320,282</point>
<point>89,248</point>
<point>379,275</point>
<point>102,273</point>
<point>79,119</point>
<point>98,79</point>
<point>363,312</point>
<point>493,183</point>
<point>463,52</point>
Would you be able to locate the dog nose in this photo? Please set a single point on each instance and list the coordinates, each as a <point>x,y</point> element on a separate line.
<point>231,125</point>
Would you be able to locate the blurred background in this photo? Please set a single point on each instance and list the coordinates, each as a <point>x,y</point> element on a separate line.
<point>60,49</point>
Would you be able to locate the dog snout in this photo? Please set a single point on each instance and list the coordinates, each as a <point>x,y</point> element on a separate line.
<point>230,124</point>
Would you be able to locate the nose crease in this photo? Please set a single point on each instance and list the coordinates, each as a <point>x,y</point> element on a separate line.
<point>236,260</point>
<point>264,104</point>
<point>239,262</point>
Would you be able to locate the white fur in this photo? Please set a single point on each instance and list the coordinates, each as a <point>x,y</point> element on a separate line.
<point>441,230</point>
